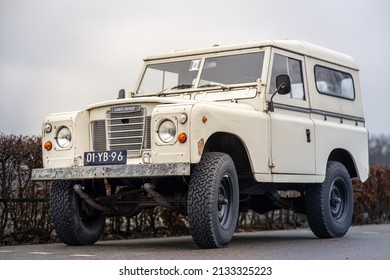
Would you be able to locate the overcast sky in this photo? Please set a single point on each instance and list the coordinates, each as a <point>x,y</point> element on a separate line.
<point>58,56</point>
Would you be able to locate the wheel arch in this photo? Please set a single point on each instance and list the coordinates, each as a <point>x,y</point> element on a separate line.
<point>344,157</point>
<point>233,146</point>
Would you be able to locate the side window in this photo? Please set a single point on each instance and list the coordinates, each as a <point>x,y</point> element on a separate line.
<point>293,68</point>
<point>334,82</point>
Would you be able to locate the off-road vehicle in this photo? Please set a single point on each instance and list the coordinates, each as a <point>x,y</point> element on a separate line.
<point>211,132</point>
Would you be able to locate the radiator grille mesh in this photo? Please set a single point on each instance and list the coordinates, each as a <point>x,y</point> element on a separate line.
<point>129,130</point>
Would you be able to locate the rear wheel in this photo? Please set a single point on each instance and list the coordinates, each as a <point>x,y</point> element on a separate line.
<point>75,222</point>
<point>329,206</point>
<point>213,200</point>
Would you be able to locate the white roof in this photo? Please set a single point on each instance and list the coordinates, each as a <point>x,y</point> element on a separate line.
<point>295,46</point>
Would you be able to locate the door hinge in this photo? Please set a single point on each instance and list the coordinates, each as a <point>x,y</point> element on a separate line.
<point>271,162</point>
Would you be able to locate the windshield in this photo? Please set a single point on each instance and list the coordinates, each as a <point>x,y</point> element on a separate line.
<point>217,71</point>
<point>233,69</point>
<point>170,75</point>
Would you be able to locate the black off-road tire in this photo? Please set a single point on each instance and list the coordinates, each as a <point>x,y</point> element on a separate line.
<point>213,201</point>
<point>329,206</point>
<point>75,222</point>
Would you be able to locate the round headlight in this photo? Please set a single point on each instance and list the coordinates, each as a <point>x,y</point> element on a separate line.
<point>167,131</point>
<point>64,137</point>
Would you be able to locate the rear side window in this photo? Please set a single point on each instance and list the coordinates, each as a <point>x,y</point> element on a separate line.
<point>334,82</point>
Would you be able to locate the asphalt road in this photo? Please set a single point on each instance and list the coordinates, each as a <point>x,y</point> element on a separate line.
<point>370,242</point>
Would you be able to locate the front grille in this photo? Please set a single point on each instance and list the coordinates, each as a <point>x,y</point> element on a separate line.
<point>122,130</point>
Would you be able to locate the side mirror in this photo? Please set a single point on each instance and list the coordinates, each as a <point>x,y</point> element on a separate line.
<point>283,86</point>
<point>121,94</point>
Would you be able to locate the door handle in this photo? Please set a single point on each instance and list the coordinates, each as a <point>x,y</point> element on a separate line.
<point>308,135</point>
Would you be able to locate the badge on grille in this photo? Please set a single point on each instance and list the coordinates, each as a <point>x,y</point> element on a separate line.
<point>125,109</point>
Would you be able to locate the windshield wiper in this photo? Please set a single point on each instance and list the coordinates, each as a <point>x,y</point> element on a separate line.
<point>208,85</point>
<point>182,86</point>
<point>213,85</point>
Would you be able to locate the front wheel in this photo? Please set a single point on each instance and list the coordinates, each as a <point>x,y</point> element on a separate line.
<point>213,200</point>
<point>75,222</point>
<point>329,206</point>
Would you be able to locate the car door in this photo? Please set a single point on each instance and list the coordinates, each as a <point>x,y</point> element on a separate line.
<point>291,128</point>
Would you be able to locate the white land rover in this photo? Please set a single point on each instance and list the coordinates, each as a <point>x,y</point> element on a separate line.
<point>211,132</point>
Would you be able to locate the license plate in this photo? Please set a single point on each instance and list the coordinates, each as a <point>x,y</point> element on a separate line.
<point>105,157</point>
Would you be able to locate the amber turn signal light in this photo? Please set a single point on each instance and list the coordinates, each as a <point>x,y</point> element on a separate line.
<point>48,145</point>
<point>182,137</point>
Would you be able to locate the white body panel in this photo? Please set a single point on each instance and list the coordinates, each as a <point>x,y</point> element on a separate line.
<point>292,144</point>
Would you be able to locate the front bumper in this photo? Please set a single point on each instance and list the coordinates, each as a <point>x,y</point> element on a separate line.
<point>111,171</point>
